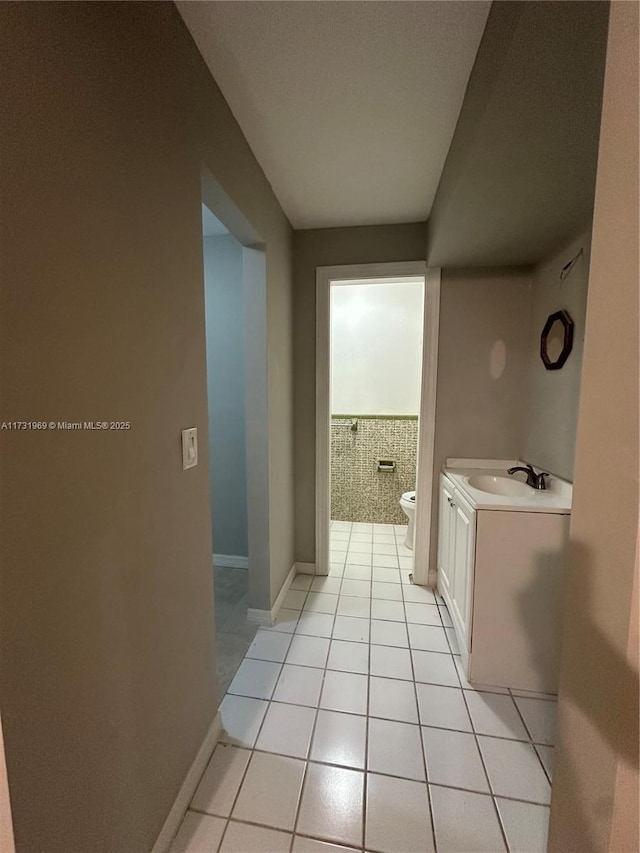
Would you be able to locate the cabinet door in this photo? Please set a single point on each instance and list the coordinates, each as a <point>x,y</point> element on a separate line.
<point>464,535</point>
<point>445,539</point>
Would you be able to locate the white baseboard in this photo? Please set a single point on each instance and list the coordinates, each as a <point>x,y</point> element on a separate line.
<point>259,617</point>
<point>228,561</point>
<point>306,568</point>
<point>284,589</point>
<point>188,787</point>
<point>268,617</point>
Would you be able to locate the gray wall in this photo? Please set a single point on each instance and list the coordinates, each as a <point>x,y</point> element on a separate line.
<point>329,247</point>
<point>482,368</point>
<point>549,435</point>
<point>108,651</point>
<point>226,394</point>
<point>520,173</point>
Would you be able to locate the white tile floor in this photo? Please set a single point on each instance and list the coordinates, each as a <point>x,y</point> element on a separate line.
<point>350,726</point>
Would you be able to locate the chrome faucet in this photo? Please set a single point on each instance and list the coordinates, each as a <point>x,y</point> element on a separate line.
<point>536,481</point>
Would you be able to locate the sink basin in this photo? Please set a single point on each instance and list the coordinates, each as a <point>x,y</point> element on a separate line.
<point>496,485</point>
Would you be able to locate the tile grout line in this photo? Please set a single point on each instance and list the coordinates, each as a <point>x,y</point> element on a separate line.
<point>489,794</point>
<point>253,751</point>
<point>527,730</point>
<point>544,767</point>
<point>484,766</point>
<point>227,821</point>
<point>411,649</point>
<point>390,719</point>
<point>246,769</point>
<point>386,775</point>
<point>315,720</point>
<point>530,740</point>
<point>365,783</point>
<point>306,766</point>
<point>266,826</point>
<point>313,730</point>
<point>424,752</point>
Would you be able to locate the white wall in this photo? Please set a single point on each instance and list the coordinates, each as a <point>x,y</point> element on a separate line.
<point>376,348</point>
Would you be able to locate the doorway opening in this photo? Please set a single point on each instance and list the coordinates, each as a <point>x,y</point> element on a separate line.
<point>234,282</point>
<point>224,321</point>
<point>376,373</point>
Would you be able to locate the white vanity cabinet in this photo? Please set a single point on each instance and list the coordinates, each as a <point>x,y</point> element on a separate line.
<point>456,547</point>
<point>501,566</point>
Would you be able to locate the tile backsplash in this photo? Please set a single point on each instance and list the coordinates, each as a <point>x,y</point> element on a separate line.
<point>359,492</point>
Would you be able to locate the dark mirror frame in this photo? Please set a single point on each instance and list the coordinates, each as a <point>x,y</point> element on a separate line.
<point>567,324</point>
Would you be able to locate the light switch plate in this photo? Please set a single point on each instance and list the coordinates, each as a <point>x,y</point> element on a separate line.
<point>189,448</point>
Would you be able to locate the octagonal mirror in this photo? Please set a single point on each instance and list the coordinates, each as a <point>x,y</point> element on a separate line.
<point>556,340</point>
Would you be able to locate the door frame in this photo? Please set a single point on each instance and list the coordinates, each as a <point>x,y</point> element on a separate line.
<point>426,423</point>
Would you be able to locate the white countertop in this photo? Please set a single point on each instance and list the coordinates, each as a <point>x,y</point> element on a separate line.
<point>556,498</point>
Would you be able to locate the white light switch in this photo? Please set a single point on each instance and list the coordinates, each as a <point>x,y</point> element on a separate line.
<point>189,448</point>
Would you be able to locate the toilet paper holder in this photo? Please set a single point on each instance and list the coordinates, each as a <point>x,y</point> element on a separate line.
<point>386,465</point>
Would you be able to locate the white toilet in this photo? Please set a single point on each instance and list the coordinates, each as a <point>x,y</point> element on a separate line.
<point>408,505</point>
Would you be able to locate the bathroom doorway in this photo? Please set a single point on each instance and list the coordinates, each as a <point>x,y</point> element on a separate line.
<point>376,366</point>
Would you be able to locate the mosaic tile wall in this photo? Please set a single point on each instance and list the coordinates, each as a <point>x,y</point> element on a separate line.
<point>359,492</point>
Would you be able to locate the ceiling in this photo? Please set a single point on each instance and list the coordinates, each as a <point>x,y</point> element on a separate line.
<point>349,107</point>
